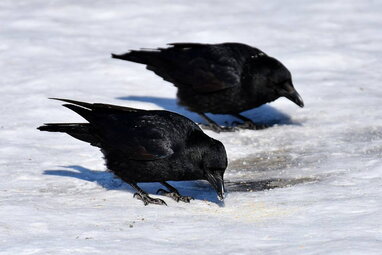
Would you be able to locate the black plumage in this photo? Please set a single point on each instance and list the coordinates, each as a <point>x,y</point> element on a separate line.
<point>148,146</point>
<point>226,78</point>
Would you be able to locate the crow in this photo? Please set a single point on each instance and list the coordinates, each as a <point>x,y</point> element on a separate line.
<point>226,78</point>
<point>148,146</point>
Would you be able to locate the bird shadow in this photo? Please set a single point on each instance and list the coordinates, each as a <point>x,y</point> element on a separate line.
<point>200,190</point>
<point>265,114</point>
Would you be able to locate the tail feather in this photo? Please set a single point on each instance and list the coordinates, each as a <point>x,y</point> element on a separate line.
<point>95,106</point>
<point>155,60</point>
<point>83,104</point>
<point>94,113</point>
<point>85,113</point>
<point>81,131</point>
<point>186,45</point>
<point>141,57</point>
<point>64,127</point>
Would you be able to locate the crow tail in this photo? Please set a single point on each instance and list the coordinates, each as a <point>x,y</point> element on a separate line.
<point>141,57</point>
<point>81,131</point>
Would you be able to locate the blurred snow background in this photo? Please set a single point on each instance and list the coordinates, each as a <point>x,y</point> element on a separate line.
<point>310,184</point>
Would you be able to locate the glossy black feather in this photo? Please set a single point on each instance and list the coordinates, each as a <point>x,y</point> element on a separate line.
<point>146,146</point>
<point>223,78</point>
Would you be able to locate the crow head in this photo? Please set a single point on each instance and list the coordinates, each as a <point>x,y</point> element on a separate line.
<point>214,165</point>
<point>271,80</point>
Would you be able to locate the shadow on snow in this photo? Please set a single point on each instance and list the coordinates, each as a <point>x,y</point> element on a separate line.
<point>200,190</point>
<point>264,114</point>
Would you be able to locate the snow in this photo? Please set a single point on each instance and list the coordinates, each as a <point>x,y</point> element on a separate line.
<point>310,184</point>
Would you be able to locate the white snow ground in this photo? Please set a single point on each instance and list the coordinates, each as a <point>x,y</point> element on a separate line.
<point>322,163</point>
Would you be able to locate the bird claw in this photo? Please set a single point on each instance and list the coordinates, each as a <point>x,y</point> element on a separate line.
<point>175,195</point>
<point>146,199</point>
<point>249,125</point>
<point>218,129</point>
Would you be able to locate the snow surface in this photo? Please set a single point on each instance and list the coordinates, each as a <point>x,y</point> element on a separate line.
<point>310,184</point>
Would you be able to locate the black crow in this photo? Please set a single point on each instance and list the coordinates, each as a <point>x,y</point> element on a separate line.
<point>148,146</point>
<point>226,78</point>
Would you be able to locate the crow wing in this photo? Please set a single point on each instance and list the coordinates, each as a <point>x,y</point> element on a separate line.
<point>144,138</point>
<point>132,133</point>
<point>205,68</point>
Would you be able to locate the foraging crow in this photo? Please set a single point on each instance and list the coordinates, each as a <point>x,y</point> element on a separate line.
<point>226,78</point>
<point>148,146</point>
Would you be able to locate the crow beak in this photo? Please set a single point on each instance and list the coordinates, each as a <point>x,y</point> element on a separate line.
<point>295,98</point>
<point>292,94</point>
<point>217,182</point>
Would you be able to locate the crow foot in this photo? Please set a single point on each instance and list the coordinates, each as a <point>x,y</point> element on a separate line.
<point>247,123</point>
<point>175,195</point>
<point>216,128</point>
<point>250,125</point>
<point>146,199</point>
<point>212,125</point>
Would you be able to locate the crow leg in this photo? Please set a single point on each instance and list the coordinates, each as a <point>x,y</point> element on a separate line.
<point>214,126</point>
<point>173,193</point>
<point>248,123</point>
<point>146,199</point>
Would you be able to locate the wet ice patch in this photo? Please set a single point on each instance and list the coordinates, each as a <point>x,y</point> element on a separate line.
<point>260,185</point>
